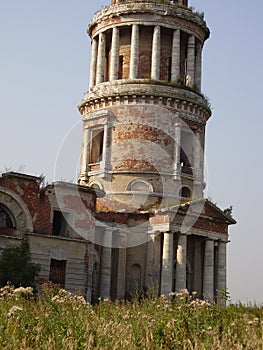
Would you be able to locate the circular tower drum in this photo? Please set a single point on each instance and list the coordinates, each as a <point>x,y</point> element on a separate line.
<point>144,115</point>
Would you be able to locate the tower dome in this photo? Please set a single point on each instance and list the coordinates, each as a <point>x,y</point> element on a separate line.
<point>144,115</point>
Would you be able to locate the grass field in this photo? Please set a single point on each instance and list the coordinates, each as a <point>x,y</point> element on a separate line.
<point>60,320</point>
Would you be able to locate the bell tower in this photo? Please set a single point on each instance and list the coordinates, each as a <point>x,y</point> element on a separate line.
<point>144,114</point>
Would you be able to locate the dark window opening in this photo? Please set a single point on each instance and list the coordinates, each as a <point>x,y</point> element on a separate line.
<point>5,219</point>
<point>107,65</point>
<point>185,192</point>
<point>184,161</point>
<point>96,149</point>
<point>120,73</point>
<point>57,273</point>
<point>59,223</point>
<point>169,68</point>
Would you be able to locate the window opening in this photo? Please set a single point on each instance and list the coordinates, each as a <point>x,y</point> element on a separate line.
<point>5,219</point>
<point>59,223</point>
<point>185,192</point>
<point>120,73</point>
<point>57,273</point>
<point>96,150</point>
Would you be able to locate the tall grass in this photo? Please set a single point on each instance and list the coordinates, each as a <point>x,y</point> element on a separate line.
<point>60,320</point>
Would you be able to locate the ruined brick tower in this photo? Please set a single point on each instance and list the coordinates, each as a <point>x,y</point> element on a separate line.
<point>138,218</point>
<point>144,116</point>
<point>144,120</point>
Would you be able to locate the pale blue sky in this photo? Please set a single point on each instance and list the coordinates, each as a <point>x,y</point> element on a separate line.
<point>45,56</point>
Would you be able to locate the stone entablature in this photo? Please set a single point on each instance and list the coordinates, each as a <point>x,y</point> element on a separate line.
<point>163,13</point>
<point>192,105</point>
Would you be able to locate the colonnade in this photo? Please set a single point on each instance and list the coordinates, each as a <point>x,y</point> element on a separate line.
<point>214,270</point>
<point>209,282</point>
<point>98,56</point>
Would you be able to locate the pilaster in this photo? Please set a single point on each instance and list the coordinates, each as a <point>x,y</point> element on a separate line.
<point>85,154</point>
<point>177,152</point>
<point>198,153</point>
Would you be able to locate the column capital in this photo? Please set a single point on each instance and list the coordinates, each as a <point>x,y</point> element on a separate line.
<point>207,239</point>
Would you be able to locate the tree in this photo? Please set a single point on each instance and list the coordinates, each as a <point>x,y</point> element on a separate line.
<point>16,266</point>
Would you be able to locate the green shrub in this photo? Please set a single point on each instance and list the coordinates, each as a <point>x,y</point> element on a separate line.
<point>16,266</point>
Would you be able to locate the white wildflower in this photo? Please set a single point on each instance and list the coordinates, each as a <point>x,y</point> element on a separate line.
<point>13,310</point>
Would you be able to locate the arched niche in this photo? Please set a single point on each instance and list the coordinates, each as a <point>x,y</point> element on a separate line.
<point>140,185</point>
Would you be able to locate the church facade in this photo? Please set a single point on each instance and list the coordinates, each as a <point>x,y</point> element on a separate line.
<point>137,218</point>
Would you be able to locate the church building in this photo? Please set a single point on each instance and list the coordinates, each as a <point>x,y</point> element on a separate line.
<point>138,218</point>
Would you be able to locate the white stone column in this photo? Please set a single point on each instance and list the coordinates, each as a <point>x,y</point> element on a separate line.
<point>156,53</point>
<point>114,63</point>
<point>105,280</point>
<point>149,278</point>
<point>221,273</point>
<point>191,60</point>
<point>198,66</point>
<point>101,58</point>
<point>180,282</point>
<point>85,152</point>
<point>121,278</point>
<point>208,285</point>
<point>134,60</point>
<point>177,152</point>
<point>167,265</point>
<point>198,153</point>
<point>175,74</point>
<point>104,161</point>
<point>93,64</point>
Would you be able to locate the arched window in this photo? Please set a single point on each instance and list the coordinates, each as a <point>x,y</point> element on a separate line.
<point>5,218</point>
<point>185,192</point>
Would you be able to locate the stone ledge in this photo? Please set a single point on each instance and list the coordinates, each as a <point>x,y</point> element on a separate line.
<point>140,92</point>
<point>151,8</point>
